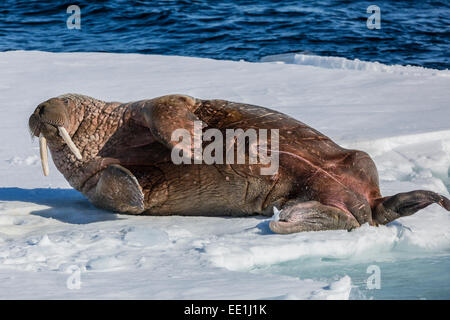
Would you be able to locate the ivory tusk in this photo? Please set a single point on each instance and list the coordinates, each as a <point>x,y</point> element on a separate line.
<point>44,155</point>
<point>69,142</point>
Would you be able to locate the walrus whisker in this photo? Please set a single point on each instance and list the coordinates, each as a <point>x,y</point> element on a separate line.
<point>69,142</point>
<point>44,155</point>
<point>33,125</point>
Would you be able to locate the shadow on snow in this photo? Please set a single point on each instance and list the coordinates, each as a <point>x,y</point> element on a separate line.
<point>66,205</point>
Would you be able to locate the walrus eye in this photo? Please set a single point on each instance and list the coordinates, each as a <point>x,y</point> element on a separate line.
<point>69,142</point>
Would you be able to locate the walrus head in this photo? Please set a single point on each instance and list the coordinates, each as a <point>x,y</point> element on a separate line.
<point>76,128</point>
<point>51,122</point>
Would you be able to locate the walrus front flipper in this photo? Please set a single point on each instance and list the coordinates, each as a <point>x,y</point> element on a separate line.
<point>312,216</point>
<point>406,204</point>
<point>118,190</point>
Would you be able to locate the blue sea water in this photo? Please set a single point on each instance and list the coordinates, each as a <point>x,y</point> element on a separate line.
<point>412,32</point>
<point>419,278</point>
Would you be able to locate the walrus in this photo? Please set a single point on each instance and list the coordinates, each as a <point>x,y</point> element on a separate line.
<point>119,156</point>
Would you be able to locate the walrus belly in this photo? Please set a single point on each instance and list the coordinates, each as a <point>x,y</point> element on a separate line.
<point>215,190</point>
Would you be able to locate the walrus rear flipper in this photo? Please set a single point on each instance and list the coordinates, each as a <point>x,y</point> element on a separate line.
<point>406,204</point>
<point>312,216</point>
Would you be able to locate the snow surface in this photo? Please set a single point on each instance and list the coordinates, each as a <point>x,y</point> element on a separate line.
<point>399,114</point>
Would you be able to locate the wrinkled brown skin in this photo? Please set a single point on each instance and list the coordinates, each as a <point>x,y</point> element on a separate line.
<point>319,185</point>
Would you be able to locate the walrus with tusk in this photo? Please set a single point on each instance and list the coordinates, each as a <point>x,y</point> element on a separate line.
<point>120,156</point>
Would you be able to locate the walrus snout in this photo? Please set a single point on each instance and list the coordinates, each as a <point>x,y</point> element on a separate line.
<point>48,115</point>
<point>49,119</point>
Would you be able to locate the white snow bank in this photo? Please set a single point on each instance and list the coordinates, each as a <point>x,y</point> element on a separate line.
<point>347,64</point>
<point>365,244</point>
<point>400,118</point>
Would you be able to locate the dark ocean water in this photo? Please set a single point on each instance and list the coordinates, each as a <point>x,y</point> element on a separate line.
<point>412,32</point>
